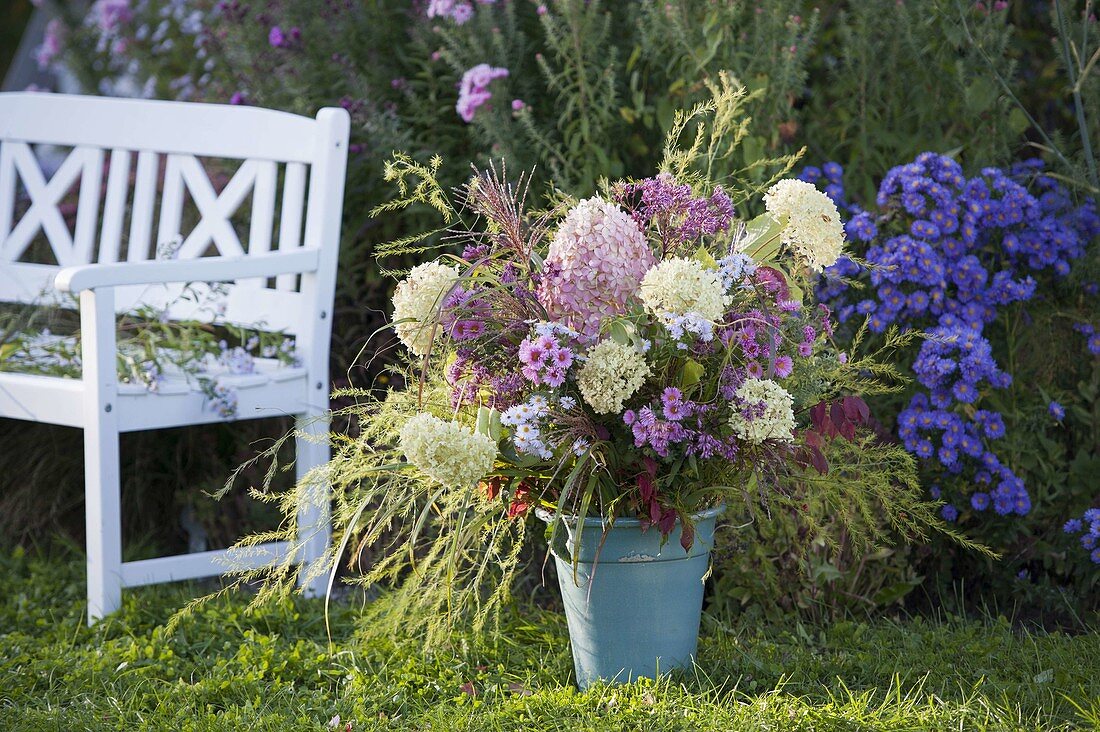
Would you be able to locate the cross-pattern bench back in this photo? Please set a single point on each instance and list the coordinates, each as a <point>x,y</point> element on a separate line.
<point>135,186</point>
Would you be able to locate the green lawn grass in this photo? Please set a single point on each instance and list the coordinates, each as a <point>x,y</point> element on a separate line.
<point>226,668</point>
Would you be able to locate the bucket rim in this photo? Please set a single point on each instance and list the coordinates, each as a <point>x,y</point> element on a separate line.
<point>548,516</point>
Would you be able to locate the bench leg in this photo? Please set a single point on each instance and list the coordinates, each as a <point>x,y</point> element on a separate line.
<point>314,517</point>
<point>103,512</point>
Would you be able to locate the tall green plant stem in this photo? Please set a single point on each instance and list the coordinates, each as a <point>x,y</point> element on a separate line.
<point>1075,86</point>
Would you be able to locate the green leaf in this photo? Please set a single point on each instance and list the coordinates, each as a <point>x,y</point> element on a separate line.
<point>619,333</point>
<point>762,237</point>
<point>705,257</point>
<point>691,373</point>
<point>488,423</point>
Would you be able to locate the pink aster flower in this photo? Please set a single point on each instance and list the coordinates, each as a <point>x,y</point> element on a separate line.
<point>754,370</point>
<point>784,366</point>
<point>531,353</point>
<point>561,357</point>
<point>554,376</point>
<point>532,374</point>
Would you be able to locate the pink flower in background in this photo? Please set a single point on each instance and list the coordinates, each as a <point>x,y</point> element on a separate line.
<point>459,11</point>
<point>276,37</point>
<point>110,14</point>
<point>518,104</point>
<point>52,43</point>
<point>462,13</point>
<point>473,90</point>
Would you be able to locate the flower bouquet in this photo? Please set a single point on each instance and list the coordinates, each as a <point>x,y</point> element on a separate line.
<point>626,367</point>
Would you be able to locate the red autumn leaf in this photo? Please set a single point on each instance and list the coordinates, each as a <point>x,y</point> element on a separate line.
<point>646,487</point>
<point>687,533</point>
<point>817,458</point>
<point>468,688</point>
<point>836,414</point>
<point>856,409</point>
<point>668,521</point>
<point>817,415</point>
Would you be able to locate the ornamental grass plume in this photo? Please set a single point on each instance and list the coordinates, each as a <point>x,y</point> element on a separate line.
<point>595,264</point>
<point>813,230</point>
<point>447,452</point>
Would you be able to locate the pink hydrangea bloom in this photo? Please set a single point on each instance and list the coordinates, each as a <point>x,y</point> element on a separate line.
<point>595,265</point>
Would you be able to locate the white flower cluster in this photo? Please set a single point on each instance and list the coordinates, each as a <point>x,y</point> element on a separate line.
<point>762,410</point>
<point>678,286</point>
<point>525,421</point>
<point>416,304</point>
<point>734,268</point>
<point>813,228</point>
<point>688,324</point>
<point>446,451</point>
<point>611,375</point>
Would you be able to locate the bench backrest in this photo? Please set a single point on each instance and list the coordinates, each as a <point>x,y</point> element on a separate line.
<point>134,186</point>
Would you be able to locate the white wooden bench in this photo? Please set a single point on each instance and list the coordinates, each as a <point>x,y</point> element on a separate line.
<point>282,274</point>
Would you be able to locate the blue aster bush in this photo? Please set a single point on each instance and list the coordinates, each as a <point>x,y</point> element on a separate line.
<point>985,266</point>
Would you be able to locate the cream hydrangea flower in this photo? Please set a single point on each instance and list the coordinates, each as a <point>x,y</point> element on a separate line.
<point>446,451</point>
<point>679,286</point>
<point>813,228</point>
<point>416,303</point>
<point>762,410</point>
<point>611,375</point>
<point>595,262</point>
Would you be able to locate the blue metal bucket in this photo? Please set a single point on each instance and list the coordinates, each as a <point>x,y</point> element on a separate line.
<point>633,605</point>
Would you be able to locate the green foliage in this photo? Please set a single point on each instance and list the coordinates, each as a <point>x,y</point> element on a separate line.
<point>896,79</point>
<point>279,668</point>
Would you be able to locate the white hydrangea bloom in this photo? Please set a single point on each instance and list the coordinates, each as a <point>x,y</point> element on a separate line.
<point>416,303</point>
<point>611,375</point>
<point>446,451</point>
<point>813,228</point>
<point>679,286</point>
<point>776,418</point>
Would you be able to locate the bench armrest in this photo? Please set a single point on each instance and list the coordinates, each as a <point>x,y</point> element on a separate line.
<point>204,269</point>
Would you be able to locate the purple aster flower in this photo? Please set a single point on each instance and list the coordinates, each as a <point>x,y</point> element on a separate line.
<point>784,366</point>
<point>1057,411</point>
<point>276,38</point>
<point>949,513</point>
<point>979,501</point>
